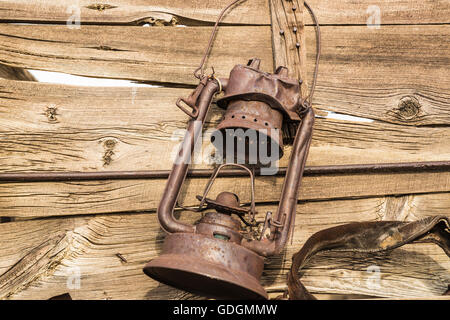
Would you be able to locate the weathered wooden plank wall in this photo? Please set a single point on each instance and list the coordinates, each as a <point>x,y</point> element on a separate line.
<point>364,72</point>
<point>396,76</point>
<point>345,12</point>
<point>92,243</point>
<point>63,124</point>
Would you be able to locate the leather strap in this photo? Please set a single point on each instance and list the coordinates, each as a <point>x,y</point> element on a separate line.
<point>367,237</point>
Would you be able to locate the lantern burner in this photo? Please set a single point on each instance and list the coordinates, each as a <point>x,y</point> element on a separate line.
<point>226,203</point>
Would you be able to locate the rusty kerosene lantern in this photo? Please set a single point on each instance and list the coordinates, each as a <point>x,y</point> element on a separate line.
<point>212,257</point>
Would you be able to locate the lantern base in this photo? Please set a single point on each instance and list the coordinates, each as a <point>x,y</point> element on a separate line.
<point>208,266</point>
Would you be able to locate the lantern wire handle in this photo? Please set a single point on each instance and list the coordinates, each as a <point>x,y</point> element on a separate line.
<point>199,72</point>
<point>318,53</point>
<point>305,103</point>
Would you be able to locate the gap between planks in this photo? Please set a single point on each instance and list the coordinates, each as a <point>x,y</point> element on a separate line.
<point>350,54</point>
<point>375,74</point>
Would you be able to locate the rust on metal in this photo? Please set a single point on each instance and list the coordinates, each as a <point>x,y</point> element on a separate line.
<point>180,167</point>
<point>212,257</point>
<point>248,83</point>
<point>192,100</point>
<point>208,266</point>
<point>226,203</point>
<point>121,257</point>
<point>206,173</point>
<point>257,101</point>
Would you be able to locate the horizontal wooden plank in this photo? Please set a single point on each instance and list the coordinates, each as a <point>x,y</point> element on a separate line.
<point>63,128</point>
<point>352,12</point>
<point>379,74</point>
<point>46,255</point>
<point>397,74</point>
<point>248,12</point>
<point>92,197</point>
<point>133,11</point>
<point>147,54</point>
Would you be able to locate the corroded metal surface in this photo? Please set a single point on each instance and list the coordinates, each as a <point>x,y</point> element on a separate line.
<point>248,83</point>
<point>212,257</point>
<point>424,166</point>
<point>209,266</point>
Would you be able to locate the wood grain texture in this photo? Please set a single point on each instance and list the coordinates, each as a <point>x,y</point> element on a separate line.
<point>63,128</point>
<point>378,74</point>
<point>289,48</point>
<point>345,12</point>
<point>50,253</point>
<point>58,128</point>
<point>396,74</point>
<point>93,197</point>
<point>350,12</point>
<point>134,11</point>
<point>147,54</point>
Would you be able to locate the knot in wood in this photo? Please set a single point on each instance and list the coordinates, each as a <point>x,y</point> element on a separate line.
<point>408,108</point>
<point>51,113</point>
<point>109,145</point>
<point>100,6</point>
